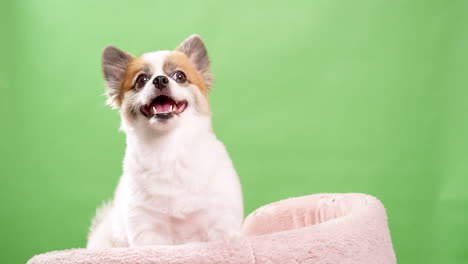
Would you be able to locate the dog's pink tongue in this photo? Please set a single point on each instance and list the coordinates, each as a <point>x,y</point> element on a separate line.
<point>163,106</point>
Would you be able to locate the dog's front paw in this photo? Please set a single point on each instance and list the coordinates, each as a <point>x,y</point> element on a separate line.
<point>149,238</point>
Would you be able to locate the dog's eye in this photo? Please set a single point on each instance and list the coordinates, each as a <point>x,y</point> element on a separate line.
<point>141,80</point>
<point>179,77</point>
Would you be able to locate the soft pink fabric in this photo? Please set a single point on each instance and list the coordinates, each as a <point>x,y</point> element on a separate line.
<point>315,229</point>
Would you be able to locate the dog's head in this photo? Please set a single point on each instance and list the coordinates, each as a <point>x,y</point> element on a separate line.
<point>159,89</point>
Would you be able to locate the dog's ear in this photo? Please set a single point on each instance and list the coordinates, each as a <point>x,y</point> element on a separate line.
<point>195,50</point>
<point>114,65</point>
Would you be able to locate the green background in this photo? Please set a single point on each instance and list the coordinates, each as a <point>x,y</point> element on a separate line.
<point>310,96</point>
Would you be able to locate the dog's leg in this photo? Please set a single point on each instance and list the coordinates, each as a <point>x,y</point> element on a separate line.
<point>144,230</point>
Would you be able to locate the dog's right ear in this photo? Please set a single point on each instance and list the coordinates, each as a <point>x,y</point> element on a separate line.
<point>114,65</point>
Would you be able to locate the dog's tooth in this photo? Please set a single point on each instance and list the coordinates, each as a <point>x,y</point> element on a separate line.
<point>154,110</point>
<point>175,108</point>
<point>170,108</point>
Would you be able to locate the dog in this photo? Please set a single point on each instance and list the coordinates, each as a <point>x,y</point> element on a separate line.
<point>178,184</point>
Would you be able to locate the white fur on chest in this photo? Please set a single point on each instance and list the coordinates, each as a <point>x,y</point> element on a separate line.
<point>178,176</point>
<point>176,189</point>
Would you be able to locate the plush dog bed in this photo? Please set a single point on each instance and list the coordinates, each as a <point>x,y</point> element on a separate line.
<point>315,229</point>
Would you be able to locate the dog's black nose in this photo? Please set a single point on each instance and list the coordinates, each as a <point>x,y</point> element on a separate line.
<point>161,82</point>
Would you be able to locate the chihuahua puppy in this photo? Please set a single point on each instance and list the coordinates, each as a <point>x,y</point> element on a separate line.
<point>178,184</point>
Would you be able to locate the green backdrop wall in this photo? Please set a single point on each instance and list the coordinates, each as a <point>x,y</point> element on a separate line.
<point>310,96</point>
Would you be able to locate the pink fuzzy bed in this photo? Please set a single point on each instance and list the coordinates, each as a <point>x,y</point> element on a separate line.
<point>315,229</point>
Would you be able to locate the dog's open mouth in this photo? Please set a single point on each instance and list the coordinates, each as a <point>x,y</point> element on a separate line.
<point>163,107</point>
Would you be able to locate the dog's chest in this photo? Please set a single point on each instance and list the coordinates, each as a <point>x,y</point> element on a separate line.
<point>173,183</point>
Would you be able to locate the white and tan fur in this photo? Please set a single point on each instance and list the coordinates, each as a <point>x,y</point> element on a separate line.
<point>178,183</point>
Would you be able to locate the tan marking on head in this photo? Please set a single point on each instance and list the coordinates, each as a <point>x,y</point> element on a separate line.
<point>177,60</point>
<point>135,66</point>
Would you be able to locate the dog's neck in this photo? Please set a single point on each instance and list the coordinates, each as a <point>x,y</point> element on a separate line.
<point>146,145</point>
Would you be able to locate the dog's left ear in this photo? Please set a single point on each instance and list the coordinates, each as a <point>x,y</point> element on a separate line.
<point>195,50</point>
